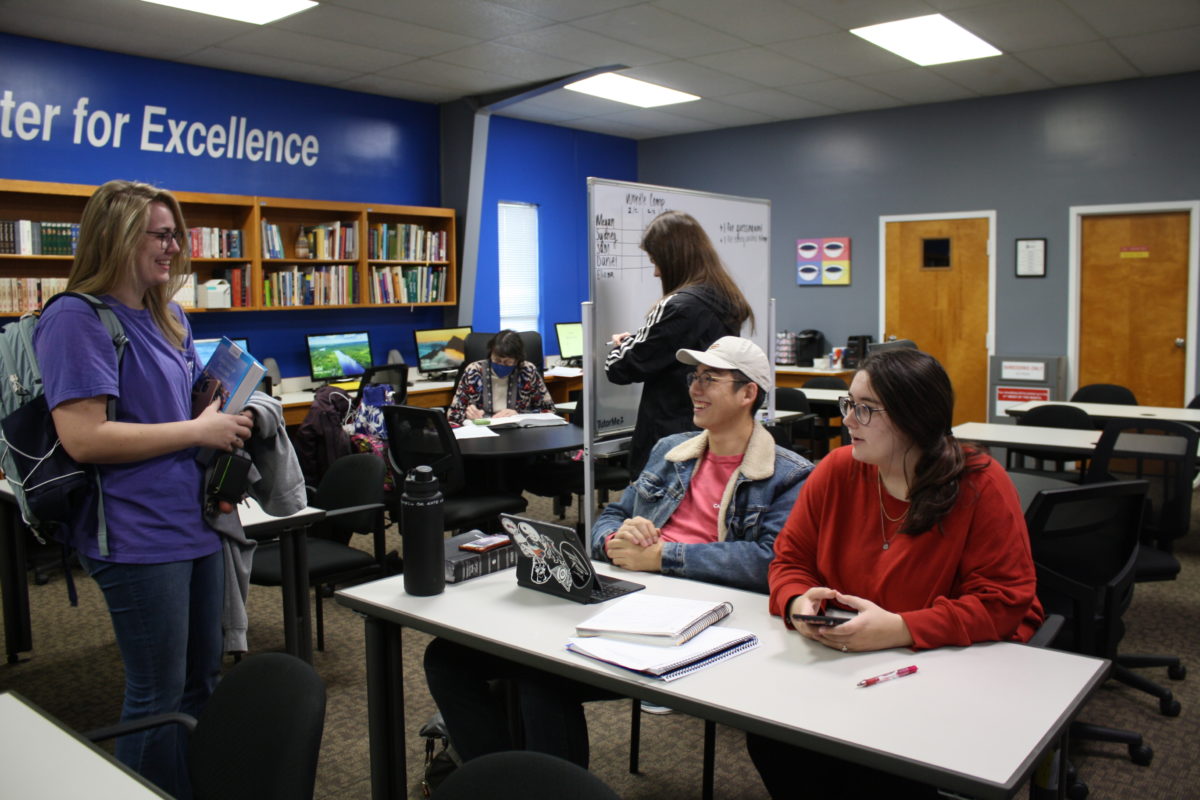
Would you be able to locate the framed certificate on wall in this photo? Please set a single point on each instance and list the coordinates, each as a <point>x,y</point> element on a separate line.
<point>1031,258</point>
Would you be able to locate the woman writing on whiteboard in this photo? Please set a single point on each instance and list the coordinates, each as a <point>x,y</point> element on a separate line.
<point>700,304</point>
<point>922,537</point>
<point>156,560</point>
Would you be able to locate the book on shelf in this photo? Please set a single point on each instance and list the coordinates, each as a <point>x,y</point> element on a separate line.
<point>230,372</point>
<point>711,646</point>
<point>654,619</point>
<point>535,420</point>
<point>185,296</point>
<point>463,565</point>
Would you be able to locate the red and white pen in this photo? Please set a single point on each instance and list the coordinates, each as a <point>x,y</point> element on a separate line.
<point>888,676</point>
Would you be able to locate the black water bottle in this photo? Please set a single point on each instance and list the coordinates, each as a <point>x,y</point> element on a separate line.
<point>421,523</point>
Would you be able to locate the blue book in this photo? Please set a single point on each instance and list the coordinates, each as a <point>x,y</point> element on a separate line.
<point>231,372</point>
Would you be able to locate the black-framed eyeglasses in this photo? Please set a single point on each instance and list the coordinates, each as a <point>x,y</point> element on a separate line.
<point>707,381</point>
<point>862,411</point>
<point>166,237</point>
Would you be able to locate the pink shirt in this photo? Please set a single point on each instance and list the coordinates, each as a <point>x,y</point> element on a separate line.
<point>695,520</point>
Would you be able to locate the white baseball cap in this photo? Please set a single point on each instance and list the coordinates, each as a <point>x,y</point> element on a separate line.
<point>734,352</point>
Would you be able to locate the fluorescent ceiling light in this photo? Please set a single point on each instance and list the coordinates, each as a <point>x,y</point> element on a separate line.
<point>612,86</point>
<point>927,40</point>
<point>259,12</point>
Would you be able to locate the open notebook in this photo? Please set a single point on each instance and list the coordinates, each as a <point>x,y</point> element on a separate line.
<point>711,646</point>
<point>654,619</point>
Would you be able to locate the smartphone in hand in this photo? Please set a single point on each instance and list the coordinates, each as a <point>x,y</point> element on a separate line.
<point>829,618</point>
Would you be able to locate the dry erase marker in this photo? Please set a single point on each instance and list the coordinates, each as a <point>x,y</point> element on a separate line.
<point>888,676</point>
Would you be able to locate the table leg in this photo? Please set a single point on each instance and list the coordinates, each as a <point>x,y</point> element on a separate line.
<point>385,711</point>
<point>297,621</point>
<point>14,585</point>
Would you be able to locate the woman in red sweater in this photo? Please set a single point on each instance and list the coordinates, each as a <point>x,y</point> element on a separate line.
<point>924,538</point>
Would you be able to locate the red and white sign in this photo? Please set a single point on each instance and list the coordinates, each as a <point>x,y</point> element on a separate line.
<point>1007,396</point>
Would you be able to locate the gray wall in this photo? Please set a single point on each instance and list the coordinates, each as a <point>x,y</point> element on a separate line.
<point>1028,156</point>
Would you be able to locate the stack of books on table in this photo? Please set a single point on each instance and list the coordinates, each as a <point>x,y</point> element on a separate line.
<point>662,637</point>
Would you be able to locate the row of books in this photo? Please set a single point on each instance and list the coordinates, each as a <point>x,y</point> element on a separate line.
<point>326,285</point>
<point>401,285</point>
<point>327,240</point>
<point>18,295</point>
<point>216,243</point>
<point>34,238</point>
<point>238,278</point>
<point>405,242</point>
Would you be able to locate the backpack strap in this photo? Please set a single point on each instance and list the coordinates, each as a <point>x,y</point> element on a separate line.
<point>116,331</point>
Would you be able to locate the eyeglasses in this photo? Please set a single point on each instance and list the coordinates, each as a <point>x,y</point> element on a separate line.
<point>862,412</point>
<point>707,381</point>
<point>166,237</point>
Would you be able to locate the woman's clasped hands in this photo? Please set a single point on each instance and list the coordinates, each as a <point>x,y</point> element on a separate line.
<point>873,628</point>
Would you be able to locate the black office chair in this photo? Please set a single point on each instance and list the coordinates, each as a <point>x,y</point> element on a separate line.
<point>521,774</point>
<point>531,342</point>
<point>824,428</point>
<point>1049,416</point>
<point>259,735</point>
<point>1170,471</point>
<point>1084,541</point>
<point>789,434</point>
<point>1104,393</point>
<point>1194,402</point>
<point>422,437</point>
<point>351,493</point>
<point>394,375</point>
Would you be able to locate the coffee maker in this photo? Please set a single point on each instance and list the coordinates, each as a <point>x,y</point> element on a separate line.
<point>856,351</point>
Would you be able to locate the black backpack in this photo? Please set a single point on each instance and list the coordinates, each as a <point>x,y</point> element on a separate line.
<point>323,436</point>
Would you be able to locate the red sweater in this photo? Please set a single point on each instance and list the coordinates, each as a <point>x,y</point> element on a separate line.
<point>969,579</point>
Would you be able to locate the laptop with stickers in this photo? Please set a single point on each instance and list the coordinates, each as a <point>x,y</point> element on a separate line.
<point>551,559</point>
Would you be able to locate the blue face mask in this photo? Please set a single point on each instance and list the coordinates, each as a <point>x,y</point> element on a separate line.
<point>501,370</point>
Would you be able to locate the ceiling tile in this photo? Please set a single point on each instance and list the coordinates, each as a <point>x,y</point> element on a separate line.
<point>857,13</point>
<point>755,21</point>
<point>371,30</point>
<point>290,46</point>
<point>566,10</point>
<point>916,85</point>
<point>270,66</point>
<point>843,95</point>
<point>625,130</point>
<point>464,80</point>
<point>661,121</point>
<point>777,104</point>
<point>88,34</point>
<point>997,75</point>
<point>394,87</point>
<point>1162,53</point>
<point>656,29</point>
<point>1090,62</point>
<point>569,42</point>
<point>1126,17</point>
<point>762,67</point>
<point>841,54</point>
<point>512,61</point>
<point>689,77</point>
<point>718,113</point>
<point>1025,24</point>
<point>573,104</point>
<point>476,19</point>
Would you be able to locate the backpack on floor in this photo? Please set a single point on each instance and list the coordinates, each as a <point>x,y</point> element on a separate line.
<point>48,484</point>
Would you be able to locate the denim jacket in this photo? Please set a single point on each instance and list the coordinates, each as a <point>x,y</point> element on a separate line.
<point>754,507</point>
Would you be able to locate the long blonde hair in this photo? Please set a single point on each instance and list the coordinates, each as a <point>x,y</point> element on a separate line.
<point>110,237</point>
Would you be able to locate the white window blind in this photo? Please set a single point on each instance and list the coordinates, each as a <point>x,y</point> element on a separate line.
<point>520,297</point>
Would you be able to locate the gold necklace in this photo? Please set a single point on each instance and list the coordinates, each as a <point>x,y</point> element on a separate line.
<point>884,515</point>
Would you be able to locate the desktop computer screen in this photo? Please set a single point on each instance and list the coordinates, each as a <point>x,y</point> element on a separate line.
<point>206,347</point>
<point>441,349</point>
<point>570,340</point>
<point>337,356</point>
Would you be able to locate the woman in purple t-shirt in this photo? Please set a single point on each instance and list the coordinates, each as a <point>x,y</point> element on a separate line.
<point>159,565</point>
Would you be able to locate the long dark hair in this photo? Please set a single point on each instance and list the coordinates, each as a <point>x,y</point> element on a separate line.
<point>685,256</point>
<point>916,392</point>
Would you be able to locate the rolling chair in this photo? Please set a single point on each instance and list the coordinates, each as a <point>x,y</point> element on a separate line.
<point>476,349</point>
<point>422,437</point>
<point>1104,393</point>
<point>824,428</point>
<point>351,493</point>
<point>521,774</point>
<point>1084,541</point>
<point>259,735</point>
<point>1048,416</point>
<point>394,375</point>
<point>786,435</point>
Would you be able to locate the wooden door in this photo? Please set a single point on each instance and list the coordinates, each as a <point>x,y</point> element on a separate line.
<point>941,301</point>
<point>1133,304</point>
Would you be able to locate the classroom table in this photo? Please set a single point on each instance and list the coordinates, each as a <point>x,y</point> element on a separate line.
<point>511,442</point>
<point>1103,412</point>
<point>975,720</point>
<point>1060,442</point>
<point>40,757</point>
<point>297,623</point>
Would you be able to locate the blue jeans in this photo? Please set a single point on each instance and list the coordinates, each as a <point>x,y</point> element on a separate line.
<point>167,620</point>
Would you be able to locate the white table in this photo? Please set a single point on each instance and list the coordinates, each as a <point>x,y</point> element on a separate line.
<point>39,758</point>
<point>1063,442</point>
<point>974,720</point>
<point>1107,411</point>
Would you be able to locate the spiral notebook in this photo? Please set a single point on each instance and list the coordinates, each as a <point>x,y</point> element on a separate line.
<point>711,646</point>
<point>654,619</point>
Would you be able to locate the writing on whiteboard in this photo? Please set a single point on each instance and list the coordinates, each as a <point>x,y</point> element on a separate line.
<point>742,233</point>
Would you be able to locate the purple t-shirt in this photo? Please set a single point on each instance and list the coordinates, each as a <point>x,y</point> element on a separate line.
<point>154,508</point>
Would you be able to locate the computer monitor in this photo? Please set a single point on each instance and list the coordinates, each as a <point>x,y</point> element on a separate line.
<point>338,356</point>
<point>441,350</point>
<point>570,341</point>
<point>205,348</point>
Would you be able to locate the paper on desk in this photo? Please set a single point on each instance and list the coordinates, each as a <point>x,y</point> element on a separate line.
<point>471,431</point>
<point>560,371</point>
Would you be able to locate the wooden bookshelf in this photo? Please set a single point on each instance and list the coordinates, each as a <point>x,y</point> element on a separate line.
<point>333,280</point>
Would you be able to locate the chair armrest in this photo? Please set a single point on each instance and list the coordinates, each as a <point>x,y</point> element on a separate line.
<point>341,512</point>
<point>142,724</point>
<point>1046,634</point>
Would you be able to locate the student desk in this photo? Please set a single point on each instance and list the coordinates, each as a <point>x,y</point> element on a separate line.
<point>39,757</point>
<point>1062,442</point>
<point>1107,411</point>
<point>975,720</point>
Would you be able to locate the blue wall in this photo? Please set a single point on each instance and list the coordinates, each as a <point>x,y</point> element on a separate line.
<point>529,162</point>
<point>369,149</point>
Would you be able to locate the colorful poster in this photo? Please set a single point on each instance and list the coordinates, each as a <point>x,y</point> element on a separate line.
<point>823,262</point>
